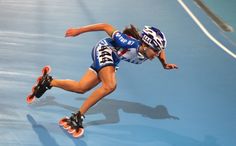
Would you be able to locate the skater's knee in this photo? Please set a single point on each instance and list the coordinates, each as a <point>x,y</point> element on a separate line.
<point>109,87</point>
<point>81,90</point>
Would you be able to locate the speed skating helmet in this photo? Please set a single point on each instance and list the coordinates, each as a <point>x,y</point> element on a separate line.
<point>154,38</point>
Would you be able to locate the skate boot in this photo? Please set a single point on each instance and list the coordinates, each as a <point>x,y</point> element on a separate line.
<point>42,85</point>
<point>73,124</point>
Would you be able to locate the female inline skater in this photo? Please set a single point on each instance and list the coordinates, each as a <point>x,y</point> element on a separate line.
<point>129,45</point>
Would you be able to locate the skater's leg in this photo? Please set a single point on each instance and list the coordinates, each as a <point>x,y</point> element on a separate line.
<point>87,82</point>
<point>108,79</point>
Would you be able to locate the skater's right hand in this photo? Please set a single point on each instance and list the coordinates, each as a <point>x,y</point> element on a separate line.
<point>72,32</point>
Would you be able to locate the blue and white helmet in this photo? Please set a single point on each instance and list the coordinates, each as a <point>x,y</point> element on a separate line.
<point>154,38</point>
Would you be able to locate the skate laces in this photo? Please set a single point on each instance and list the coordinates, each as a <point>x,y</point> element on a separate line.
<point>48,82</point>
<point>76,120</point>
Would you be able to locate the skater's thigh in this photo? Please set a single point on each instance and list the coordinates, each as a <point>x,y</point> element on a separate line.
<point>89,79</point>
<point>108,77</point>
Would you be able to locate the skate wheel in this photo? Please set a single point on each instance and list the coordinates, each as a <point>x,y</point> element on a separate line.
<point>78,133</point>
<point>30,99</point>
<point>71,130</point>
<point>63,121</point>
<point>33,88</point>
<point>66,126</point>
<point>39,79</point>
<point>46,70</point>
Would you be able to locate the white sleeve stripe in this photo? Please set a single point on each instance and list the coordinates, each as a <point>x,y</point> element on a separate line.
<point>114,33</point>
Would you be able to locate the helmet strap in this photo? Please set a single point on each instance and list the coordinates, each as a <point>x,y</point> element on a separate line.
<point>144,50</point>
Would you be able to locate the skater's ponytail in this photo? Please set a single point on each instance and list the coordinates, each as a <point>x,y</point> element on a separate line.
<point>133,32</point>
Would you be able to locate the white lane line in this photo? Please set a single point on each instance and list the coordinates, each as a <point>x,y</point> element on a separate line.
<point>205,30</point>
<point>11,73</point>
<point>10,34</point>
<point>9,43</point>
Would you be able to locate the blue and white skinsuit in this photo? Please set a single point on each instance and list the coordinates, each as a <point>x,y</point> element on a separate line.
<point>109,51</point>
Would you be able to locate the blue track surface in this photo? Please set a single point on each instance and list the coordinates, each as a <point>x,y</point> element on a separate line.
<point>192,106</point>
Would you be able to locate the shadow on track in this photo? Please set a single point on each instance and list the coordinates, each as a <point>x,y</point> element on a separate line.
<point>110,109</point>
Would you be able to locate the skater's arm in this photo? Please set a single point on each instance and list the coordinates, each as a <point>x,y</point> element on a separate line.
<point>162,58</point>
<point>109,29</point>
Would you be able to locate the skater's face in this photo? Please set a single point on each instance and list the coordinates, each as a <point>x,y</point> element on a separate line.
<point>150,53</point>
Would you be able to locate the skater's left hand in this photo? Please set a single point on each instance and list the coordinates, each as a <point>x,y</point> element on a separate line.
<point>171,66</point>
<point>72,32</point>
